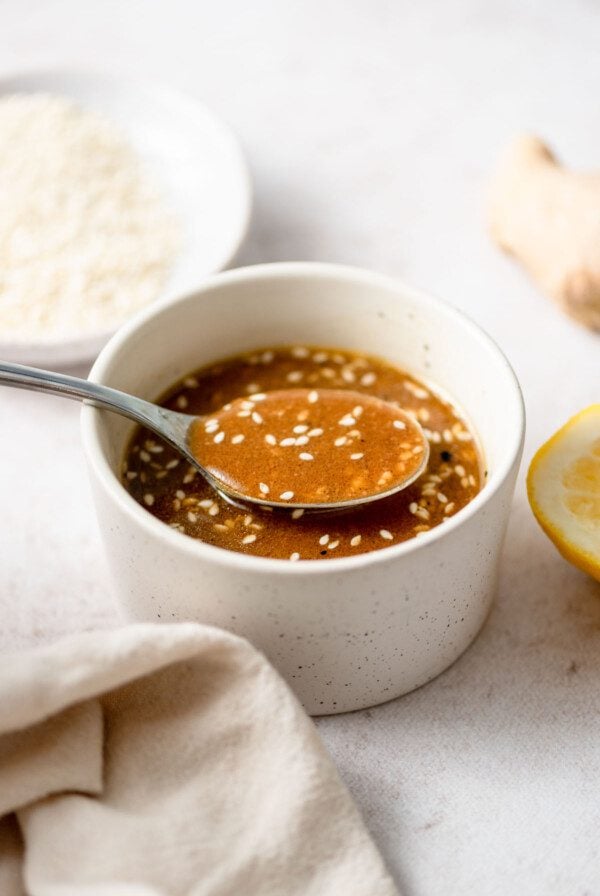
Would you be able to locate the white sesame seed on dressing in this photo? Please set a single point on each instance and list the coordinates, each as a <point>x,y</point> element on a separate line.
<point>176,490</point>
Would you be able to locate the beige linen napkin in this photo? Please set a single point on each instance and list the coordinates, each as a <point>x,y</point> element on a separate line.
<point>169,761</point>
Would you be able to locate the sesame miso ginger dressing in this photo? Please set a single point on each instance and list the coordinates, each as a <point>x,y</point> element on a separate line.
<point>169,488</point>
<point>310,446</point>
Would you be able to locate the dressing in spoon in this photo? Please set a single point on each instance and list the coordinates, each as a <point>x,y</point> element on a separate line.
<point>322,449</point>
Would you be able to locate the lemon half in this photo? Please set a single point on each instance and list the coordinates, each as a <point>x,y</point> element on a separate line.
<point>563,485</point>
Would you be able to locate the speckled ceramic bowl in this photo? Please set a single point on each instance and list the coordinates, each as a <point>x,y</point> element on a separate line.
<point>345,633</point>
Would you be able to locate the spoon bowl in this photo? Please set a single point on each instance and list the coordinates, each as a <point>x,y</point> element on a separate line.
<point>317,450</point>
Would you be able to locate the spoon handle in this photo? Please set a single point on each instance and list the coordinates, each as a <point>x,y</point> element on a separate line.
<point>169,424</point>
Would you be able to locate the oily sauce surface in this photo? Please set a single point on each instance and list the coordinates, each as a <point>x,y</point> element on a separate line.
<point>309,446</point>
<point>161,481</point>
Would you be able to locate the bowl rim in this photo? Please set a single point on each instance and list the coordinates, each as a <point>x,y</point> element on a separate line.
<point>84,345</point>
<point>154,528</point>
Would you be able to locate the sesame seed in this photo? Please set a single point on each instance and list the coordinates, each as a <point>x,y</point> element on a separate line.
<point>248,539</point>
<point>386,534</point>
<point>313,396</point>
<point>270,439</point>
<point>442,498</point>
<point>172,464</point>
<point>323,539</point>
<point>258,396</point>
<point>248,519</point>
<point>247,404</point>
<point>355,540</point>
<point>190,382</point>
<point>149,499</point>
<point>182,402</point>
<point>459,470</point>
<point>212,421</point>
<point>144,456</point>
<point>220,527</point>
<point>464,436</point>
<point>219,437</point>
<point>235,440</point>
<point>304,455</point>
<point>192,517</point>
<point>300,351</point>
<point>263,488</point>
<point>417,449</point>
<point>449,507</point>
<point>464,481</point>
<point>285,443</point>
<point>357,456</point>
<point>302,416</point>
<point>206,503</point>
<point>267,357</point>
<point>295,556</point>
<point>348,420</point>
<point>214,510</point>
<point>413,507</point>
<point>348,375</point>
<point>294,376</point>
<point>367,379</point>
<point>302,440</point>
<point>332,545</point>
<point>320,357</point>
<point>399,424</point>
<point>180,494</point>
<point>317,431</point>
<point>286,496</point>
<point>131,475</point>
<point>302,427</point>
<point>472,480</point>
<point>244,413</point>
<point>296,514</point>
<point>252,387</point>
<point>448,437</point>
<point>338,359</point>
<point>340,441</point>
<point>256,417</point>
<point>357,411</point>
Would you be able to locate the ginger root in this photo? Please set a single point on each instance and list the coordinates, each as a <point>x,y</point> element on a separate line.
<point>549,218</point>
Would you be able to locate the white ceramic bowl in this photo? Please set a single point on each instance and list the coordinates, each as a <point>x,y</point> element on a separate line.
<point>350,632</point>
<point>193,157</point>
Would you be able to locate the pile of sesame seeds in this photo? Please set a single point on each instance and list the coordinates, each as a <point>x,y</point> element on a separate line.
<point>173,491</point>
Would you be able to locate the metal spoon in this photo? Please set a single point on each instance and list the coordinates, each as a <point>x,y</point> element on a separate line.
<point>183,430</point>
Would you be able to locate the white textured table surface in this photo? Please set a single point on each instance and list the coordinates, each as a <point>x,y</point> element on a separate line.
<point>371,128</point>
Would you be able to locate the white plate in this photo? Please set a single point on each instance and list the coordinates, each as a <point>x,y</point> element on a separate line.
<point>194,158</point>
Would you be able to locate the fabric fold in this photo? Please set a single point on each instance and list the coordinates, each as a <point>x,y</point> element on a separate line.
<point>170,760</point>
